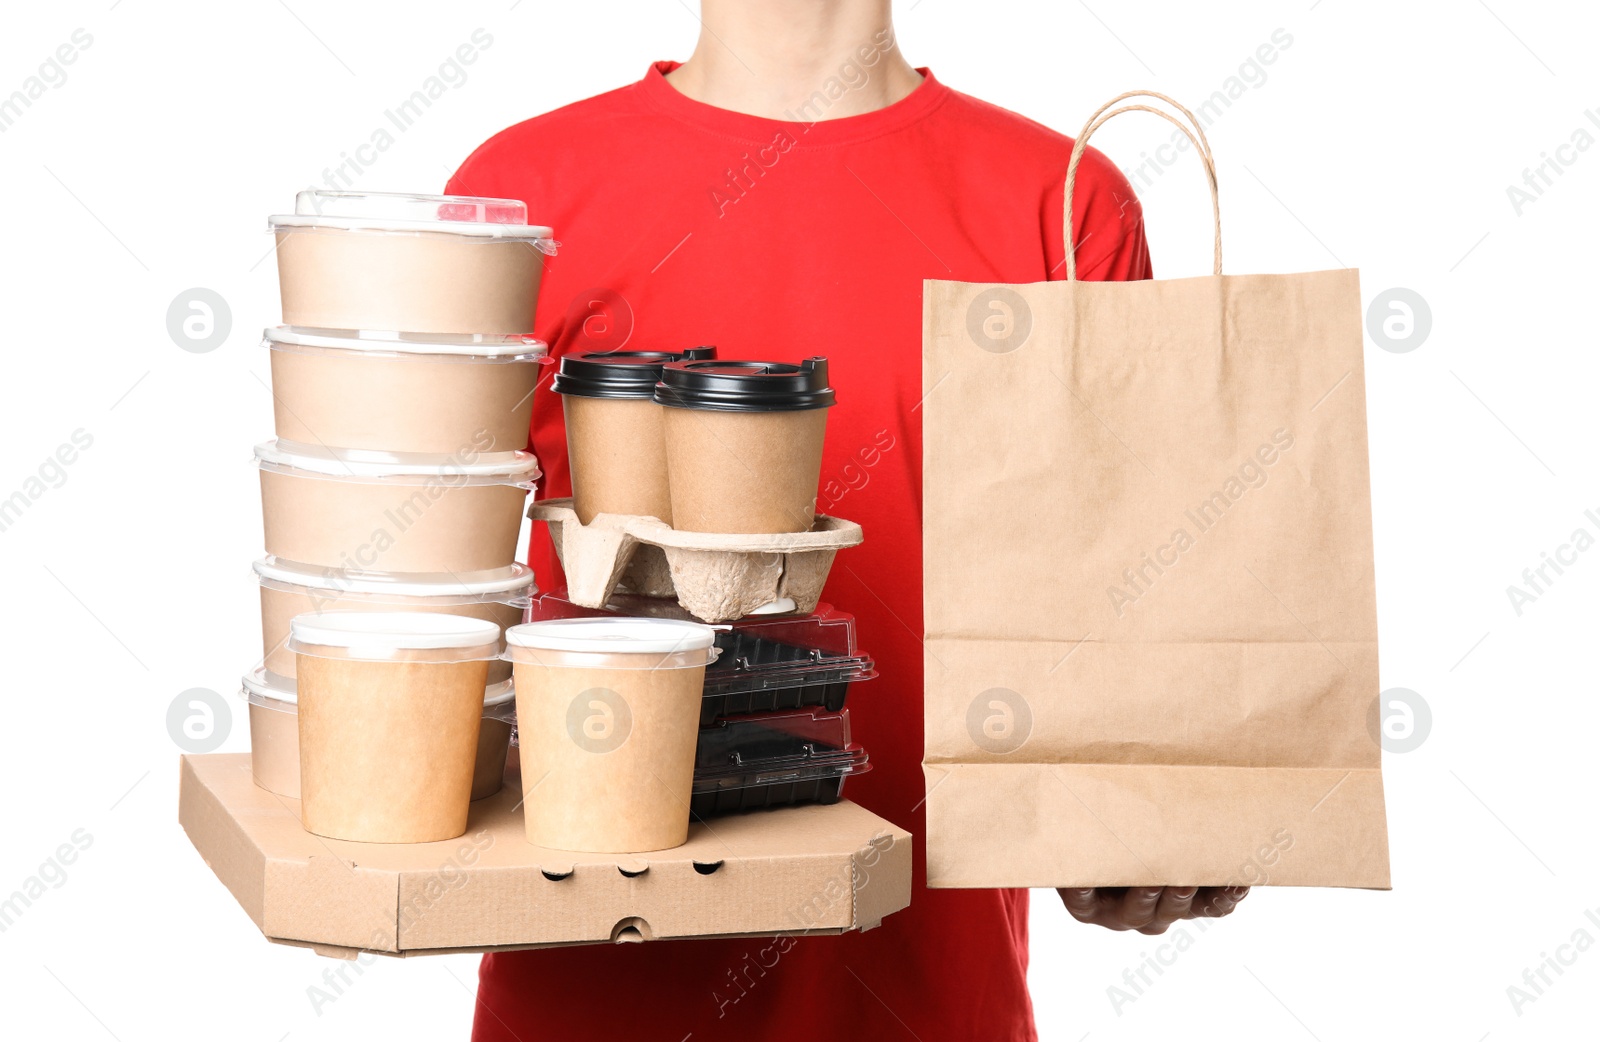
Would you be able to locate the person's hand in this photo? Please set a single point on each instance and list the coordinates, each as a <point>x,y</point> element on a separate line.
<point>1150,909</point>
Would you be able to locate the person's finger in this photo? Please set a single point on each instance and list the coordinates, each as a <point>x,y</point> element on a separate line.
<point>1205,902</point>
<point>1083,903</point>
<point>1176,901</point>
<point>1219,901</point>
<point>1235,894</point>
<point>1139,906</point>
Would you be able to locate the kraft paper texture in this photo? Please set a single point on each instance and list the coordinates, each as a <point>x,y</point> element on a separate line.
<point>1150,613</point>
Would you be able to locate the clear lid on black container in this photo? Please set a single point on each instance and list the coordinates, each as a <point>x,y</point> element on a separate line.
<point>763,748</point>
<point>758,652</point>
<point>740,386</point>
<point>619,374</point>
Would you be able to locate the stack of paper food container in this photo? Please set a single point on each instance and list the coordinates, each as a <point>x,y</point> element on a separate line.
<point>392,499</point>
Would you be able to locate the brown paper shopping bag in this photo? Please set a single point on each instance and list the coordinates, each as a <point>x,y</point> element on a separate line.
<point>1150,613</point>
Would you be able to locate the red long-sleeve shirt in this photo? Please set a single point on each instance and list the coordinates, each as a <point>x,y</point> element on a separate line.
<point>683,224</point>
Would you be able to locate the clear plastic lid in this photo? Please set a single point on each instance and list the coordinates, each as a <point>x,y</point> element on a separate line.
<point>262,687</point>
<point>599,642</point>
<point>758,652</point>
<point>383,636</point>
<point>761,747</point>
<point>519,469</point>
<point>848,765</point>
<point>475,347</point>
<point>609,636</point>
<point>500,702</point>
<point>504,219</point>
<point>511,585</point>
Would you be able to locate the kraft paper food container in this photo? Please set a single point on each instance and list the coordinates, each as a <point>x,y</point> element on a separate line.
<point>400,392</point>
<point>767,662</point>
<point>416,263</point>
<point>744,443</point>
<point>499,595</point>
<point>716,577</point>
<point>494,740</point>
<point>607,711</point>
<point>275,734</point>
<point>390,711</point>
<point>361,511</point>
<point>615,443</point>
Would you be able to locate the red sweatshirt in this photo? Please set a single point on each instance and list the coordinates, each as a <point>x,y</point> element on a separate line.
<point>683,224</point>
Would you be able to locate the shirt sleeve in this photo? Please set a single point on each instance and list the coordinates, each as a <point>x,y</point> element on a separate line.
<point>469,178</point>
<point>1107,221</point>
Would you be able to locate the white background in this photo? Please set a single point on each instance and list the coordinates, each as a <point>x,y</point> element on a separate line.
<point>1383,138</point>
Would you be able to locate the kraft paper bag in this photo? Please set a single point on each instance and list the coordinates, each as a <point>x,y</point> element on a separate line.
<point>1151,626</point>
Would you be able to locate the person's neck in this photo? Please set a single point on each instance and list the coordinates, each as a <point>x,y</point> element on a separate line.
<point>789,59</point>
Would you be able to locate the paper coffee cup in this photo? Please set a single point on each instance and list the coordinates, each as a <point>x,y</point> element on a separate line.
<point>616,448</point>
<point>390,707</point>
<point>274,709</point>
<point>403,393</point>
<point>607,714</point>
<point>744,443</point>
<point>417,263</point>
<point>372,512</point>
<point>287,589</point>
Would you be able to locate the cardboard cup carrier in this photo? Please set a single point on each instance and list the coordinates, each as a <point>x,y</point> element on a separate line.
<point>275,734</point>
<point>418,263</point>
<point>389,718</point>
<point>615,443</point>
<point>499,596</point>
<point>360,511</point>
<point>744,443</point>
<point>607,715</point>
<point>399,392</point>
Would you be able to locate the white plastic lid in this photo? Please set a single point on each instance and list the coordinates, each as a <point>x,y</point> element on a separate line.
<point>612,636</point>
<point>379,635</point>
<point>402,212</point>
<point>261,686</point>
<point>512,580</point>
<point>366,341</point>
<point>506,468</point>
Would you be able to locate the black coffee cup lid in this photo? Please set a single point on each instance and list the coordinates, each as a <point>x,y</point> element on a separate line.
<point>737,386</point>
<point>619,374</point>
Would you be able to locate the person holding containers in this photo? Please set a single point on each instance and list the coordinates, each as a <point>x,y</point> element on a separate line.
<point>389,713</point>
<point>274,702</point>
<point>499,595</point>
<point>615,443</point>
<point>607,714</point>
<point>744,443</point>
<point>359,511</point>
<point>417,263</point>
<point>403,393</point>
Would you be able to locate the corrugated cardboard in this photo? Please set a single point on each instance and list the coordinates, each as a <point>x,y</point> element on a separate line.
<point>810,869</point>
